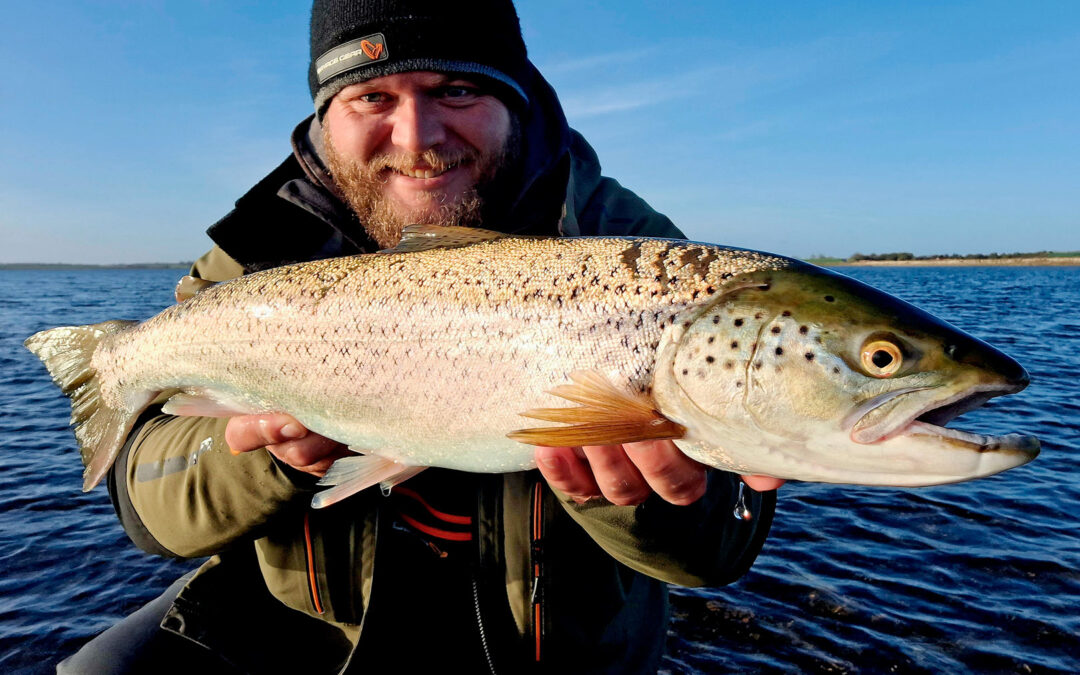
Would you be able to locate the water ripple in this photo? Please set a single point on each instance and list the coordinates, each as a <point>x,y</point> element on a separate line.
<point>976,577</point>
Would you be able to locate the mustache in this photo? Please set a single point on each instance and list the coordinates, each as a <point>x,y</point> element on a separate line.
<point>432,158</point>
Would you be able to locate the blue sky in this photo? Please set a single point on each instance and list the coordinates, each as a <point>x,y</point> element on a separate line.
<point>793,127</point>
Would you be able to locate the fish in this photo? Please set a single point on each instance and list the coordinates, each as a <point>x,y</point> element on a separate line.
<point>463,348</point>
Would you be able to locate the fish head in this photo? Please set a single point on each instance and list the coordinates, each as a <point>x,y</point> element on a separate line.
<point>806,374</point>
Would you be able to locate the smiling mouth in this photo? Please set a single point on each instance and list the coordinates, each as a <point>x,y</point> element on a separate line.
<point>426,173</point>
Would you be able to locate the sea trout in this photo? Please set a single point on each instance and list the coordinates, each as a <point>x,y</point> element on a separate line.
<point>462,348</point>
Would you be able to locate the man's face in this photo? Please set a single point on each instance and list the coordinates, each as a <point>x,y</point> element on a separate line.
<point>417,147</point>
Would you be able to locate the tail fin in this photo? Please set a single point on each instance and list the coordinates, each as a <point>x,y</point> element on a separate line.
<point>100,430</point>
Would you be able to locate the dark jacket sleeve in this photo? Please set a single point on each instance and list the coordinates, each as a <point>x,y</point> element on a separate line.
<point>702,544</point>
<point>179,490</point>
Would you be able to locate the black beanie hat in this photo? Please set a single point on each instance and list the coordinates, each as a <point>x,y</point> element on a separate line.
<point>357,40</point>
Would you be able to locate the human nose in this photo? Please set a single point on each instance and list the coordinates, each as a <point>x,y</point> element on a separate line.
<point>417,127</point>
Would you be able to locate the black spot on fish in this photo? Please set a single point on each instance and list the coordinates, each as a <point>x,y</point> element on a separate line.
<point>710,290</point>
<point>685,371</point>
<point>729,364</point>
<point>803,330</point>
<point>779,351</point>
<point>734,344</point>
<point>775,329</point>
<point>738,383</point>
<point>738,322</point>
<point>716,319</point>
<point>687,324</point>
<point>829,298</point>
<point>711,340</point>
<point>836,370</point>
<point>809,356</point>
<point>710,359</point>
<point>758,315</point>
<point>785,313</point>
<point>757,365</point>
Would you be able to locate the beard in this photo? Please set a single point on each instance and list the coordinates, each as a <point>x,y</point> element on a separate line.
<point>362,185</point>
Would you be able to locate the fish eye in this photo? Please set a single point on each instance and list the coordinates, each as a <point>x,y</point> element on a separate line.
<point>882,358</point>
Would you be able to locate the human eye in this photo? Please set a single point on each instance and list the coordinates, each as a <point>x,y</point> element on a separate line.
<point>459,93</point>
<point>371,97</point>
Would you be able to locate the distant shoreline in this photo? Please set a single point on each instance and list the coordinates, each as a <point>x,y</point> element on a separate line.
<point>961,262</point>
<point>88,266</point>
<point>1061,261</point>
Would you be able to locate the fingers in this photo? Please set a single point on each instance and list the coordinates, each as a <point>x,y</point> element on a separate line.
<point>668,472</point>
<point>312,454</point>
<point>567,470</point>
<point>250,432</point>
<point>762,483</point>
<point>286,439</point>
<point>624,474</point>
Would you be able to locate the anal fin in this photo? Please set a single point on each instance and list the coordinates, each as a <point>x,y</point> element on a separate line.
<point>350,475</point>
<point>605,415</point>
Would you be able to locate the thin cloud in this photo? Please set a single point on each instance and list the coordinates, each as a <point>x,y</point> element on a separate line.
<point>739,74</point>
<point>597,61</point>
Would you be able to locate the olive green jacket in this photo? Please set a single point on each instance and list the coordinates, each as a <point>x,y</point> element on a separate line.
<point>574,588</point>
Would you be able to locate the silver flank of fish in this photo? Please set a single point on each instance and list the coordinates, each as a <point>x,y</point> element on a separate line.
<point>430,355</point>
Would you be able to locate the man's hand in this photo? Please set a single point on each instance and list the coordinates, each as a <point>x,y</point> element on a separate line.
<point>286,439</point>
<point>627,474</point>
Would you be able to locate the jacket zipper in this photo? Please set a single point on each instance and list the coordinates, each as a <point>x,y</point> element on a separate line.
<point>537,549</point>
<point>480,625</point>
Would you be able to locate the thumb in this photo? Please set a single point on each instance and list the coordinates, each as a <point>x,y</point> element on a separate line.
<point>250,432</point>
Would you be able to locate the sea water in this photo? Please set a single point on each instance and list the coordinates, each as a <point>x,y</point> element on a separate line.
<point>975,577</point>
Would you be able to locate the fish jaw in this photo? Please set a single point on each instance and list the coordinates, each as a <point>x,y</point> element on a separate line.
<point>767,381</point>
<point>921,455</point>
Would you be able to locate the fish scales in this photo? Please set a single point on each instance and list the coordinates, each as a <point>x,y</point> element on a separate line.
<point>393,352</point>
<point>444,350</point>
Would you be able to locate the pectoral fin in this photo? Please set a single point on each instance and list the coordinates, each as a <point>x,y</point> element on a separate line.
<point>605,416</point>
<point>207,403</point>
<point>350,475</point>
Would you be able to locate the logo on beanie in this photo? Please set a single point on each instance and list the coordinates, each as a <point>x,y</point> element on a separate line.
<point>351,55</point>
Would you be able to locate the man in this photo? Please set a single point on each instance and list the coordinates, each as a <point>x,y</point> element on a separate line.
<point>428,112</point>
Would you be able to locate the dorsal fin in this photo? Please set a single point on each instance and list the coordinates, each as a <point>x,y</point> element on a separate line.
<point>606,416</point>
<point>426,237</point>
<point>188,287</point>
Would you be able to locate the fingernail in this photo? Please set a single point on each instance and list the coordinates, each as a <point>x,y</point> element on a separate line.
<point>234,453</point>
<point>293,431</point>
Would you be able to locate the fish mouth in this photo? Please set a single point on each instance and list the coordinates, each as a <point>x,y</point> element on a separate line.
<point>930,419</point>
